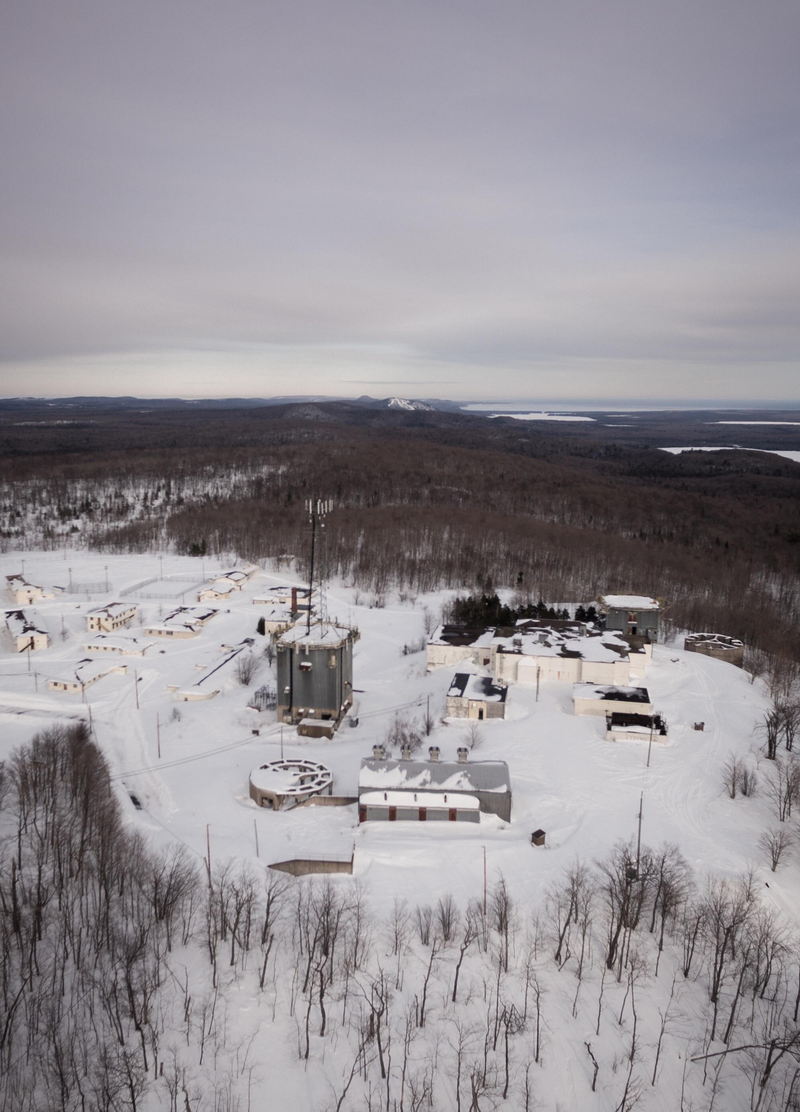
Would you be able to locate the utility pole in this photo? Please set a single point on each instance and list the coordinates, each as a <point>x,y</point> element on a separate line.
<point>136,686</point>
<point>158,735</point>
<point>639,835</point>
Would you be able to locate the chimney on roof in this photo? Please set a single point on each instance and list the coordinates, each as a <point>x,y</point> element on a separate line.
<point>379,752</point>
<point>433,753</point>
<point>294,600</point>
<point>405,752</point>
<point>463,754</point>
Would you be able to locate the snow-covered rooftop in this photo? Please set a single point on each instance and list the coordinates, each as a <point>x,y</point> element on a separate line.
<point>323,634</point>
<point>19,623</point>
<point>629,602</point>
<point>483,776</point>
<point>611,693</point>
<point>467,686</point>
<point>113,609</point>
<point>118,643</point>
<point>547,641</point>
<point>291,777</point>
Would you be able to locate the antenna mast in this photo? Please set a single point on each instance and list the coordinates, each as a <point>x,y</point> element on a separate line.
<point>317,508</point>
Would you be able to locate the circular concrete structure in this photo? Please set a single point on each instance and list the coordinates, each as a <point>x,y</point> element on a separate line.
<point>285,783</point>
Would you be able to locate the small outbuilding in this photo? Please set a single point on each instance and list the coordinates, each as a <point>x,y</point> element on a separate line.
<point>635,727</point>
<point>477,697</point>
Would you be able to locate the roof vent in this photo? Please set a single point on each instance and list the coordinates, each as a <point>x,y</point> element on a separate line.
<point>405,752</point>
<point>463,754</point>
<point>379,752</point>
<point>433,753</point>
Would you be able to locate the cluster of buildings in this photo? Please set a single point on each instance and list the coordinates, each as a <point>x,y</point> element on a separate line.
<point>536,651</point>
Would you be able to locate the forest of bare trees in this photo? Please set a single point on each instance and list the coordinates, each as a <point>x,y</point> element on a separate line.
<point>134,978</point>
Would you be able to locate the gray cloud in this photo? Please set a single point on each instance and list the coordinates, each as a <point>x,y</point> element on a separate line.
<point>231,197</point>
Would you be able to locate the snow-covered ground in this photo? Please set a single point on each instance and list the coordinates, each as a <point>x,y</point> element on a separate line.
<point>566,778</point>
<point>188,763</point>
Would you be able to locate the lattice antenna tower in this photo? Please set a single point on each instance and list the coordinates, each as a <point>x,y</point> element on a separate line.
<point>317,509</point>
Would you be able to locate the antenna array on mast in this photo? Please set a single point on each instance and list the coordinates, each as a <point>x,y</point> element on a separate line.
<point>317,509</point>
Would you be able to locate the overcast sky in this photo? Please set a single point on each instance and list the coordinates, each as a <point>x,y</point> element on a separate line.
<point>496,199</point>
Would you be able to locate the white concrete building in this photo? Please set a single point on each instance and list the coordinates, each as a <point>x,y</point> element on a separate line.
<point>225,584</point>
<point>24,593</point>
<point>24,632</point>
<point>184,621</point>
<point>86,673</point>
<point>118,643</point>
<point>106,619</point>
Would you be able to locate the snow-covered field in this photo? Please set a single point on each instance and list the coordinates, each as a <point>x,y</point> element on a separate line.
<point>187,763</point>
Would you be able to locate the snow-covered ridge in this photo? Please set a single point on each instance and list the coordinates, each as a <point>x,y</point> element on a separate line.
<point>408,404</point>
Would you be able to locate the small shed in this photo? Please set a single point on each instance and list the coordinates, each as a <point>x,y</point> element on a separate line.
<point>317,727</point>
<point>622,726</point>
<point>478,697</point>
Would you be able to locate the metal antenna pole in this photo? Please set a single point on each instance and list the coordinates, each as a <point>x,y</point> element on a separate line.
<point>317,508</point>
<point>312,506</point>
